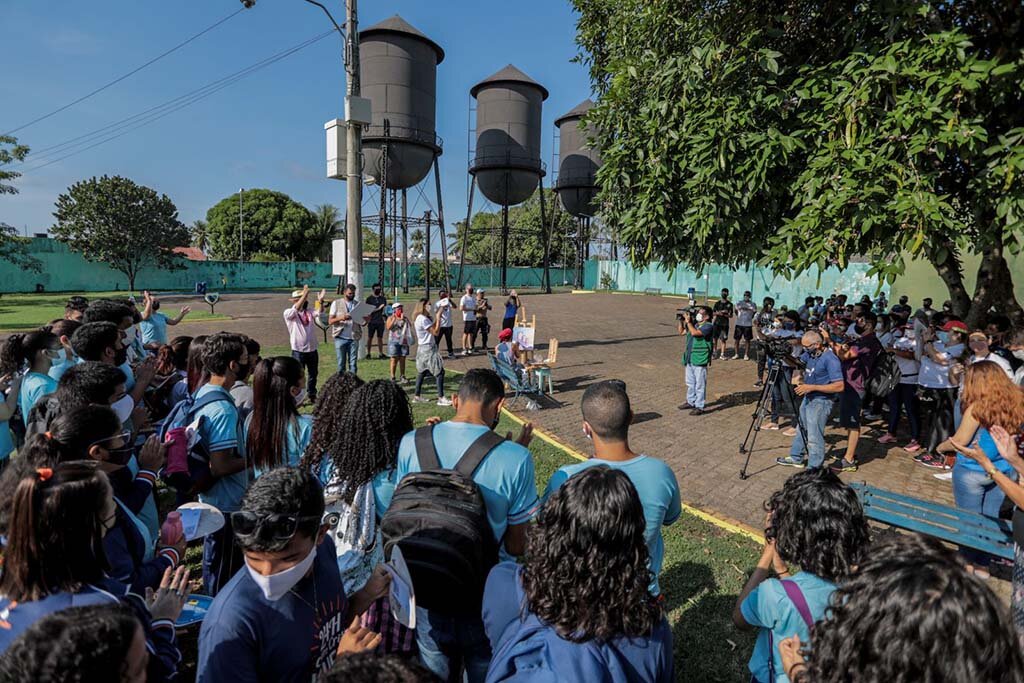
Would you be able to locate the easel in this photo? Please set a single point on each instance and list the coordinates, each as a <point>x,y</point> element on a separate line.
<point>526,356</point>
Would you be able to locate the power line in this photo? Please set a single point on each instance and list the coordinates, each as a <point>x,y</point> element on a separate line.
<point>130,73</point>
<point>124,126</point>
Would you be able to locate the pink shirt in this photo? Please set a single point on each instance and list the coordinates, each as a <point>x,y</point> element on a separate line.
<point>302,331</point>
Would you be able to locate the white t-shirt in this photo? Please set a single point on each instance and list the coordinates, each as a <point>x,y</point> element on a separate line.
<point>909,367</point>
<point>998,360</point>
<point>935,375</point>
<point>443,308</point>
<point>424,337</point>
<point>745,311</point>
<point>468,301</point>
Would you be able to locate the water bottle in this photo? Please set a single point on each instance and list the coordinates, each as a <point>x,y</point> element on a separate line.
<point>171,531</point>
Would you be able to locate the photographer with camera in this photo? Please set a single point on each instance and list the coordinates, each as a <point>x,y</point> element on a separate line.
<point>818,383</point>
<point>695,324</point>
<point>778,342</point>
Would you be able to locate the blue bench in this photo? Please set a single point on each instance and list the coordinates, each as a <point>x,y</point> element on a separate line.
<point>519,385</point>
<point>968,529</point>
<point>653,291</point>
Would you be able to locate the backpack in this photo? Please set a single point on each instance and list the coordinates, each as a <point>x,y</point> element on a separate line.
<point>885,376</point>
<point>187,467</point>
<point>39,419</point>
<point>439,520</point>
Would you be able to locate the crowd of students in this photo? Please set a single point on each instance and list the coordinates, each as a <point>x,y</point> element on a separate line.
<point>510,583</point>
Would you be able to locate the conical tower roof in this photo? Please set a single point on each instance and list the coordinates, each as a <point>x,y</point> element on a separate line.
<point>509,74</point>
<point>576,112</point>
<point>397,24</point>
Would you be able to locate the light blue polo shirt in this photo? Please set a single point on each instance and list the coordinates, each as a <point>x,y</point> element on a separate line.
<point>6,440</point>
<point>655,483</point>
<point>221,431</point>
<point>383,484</point>
<point>129,375</point>
<point>34,386</point>
<point>768,607</point>
<point>505,477</point>
<point>297,438</point>
<point>154,330</point>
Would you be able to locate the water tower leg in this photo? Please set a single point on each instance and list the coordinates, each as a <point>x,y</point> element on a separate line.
<point>383,211</point>
<point>394,242</point>
<point>465,232</point>
<point>546,236</point>
<point>426,254</point>
<point>405,243</point>
<point>504,248</point>
<point>440,227</point>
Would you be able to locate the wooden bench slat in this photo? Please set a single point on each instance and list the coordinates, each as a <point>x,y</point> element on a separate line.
<point>928,506</point>
<point>962,521</point>
<point>1001,550</point>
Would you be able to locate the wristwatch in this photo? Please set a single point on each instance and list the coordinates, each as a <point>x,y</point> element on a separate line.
<point>991,471</point>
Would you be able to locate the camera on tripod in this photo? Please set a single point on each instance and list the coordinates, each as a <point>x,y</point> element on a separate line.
<point>779,349</point>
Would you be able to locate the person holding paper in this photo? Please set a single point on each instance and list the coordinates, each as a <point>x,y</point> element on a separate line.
<point>303,334</point>
<point>285,615</point>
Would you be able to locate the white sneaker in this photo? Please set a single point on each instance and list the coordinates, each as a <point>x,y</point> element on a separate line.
<point>444,402</point>
<point>465,352</point>
<point>944,476</point>
<point>418,399</point>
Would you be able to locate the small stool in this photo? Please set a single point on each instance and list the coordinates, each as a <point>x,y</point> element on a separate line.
<point>542,372</point>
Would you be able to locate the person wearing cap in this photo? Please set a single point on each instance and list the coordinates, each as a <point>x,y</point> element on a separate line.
<point>508,351</point>
<point>302,334</point>
<point>400,337</point>
<point>483,327</point>
<point>938,351</point>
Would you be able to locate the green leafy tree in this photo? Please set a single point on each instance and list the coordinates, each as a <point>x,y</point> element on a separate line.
<point>417,241</point>
<point>115,221</point>
<point>371,241</point>
<point>525,243</point>
<point>271,222</point>
<point>10,152</point>
<point>199,232</point>
<point>435,270</point>
<point>13,249</point>
<point>328,226</point>
<point>802,134</point>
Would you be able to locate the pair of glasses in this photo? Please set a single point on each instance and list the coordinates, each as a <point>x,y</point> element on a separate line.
<point>275,526</point>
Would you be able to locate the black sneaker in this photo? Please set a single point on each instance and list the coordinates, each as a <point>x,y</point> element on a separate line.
<point>697,411</point>
<point>685,406</point>
<point>844,465</point>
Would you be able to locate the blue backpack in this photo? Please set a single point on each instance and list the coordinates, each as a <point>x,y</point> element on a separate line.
<point>187,469</point>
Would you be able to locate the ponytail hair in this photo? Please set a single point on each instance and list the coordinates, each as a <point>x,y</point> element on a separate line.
<point>195,371</point>
<point>274,411</point>
<point>55,535</point>
<point>22,348</point>
<point>173,356</point>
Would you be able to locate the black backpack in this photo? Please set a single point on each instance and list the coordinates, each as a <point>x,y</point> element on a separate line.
<point>885,376</point>
<point>438,519</point>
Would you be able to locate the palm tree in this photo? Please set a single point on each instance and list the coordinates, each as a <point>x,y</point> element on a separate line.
<point>200,235</point>
<point>417,242</point>
<point>328,225</point>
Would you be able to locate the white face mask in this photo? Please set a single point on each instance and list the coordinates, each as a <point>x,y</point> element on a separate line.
<point>1018,354</point>
<point>123,408</point>
<point>300,397</point>
<point>700,317</point>
<point>275,586</point>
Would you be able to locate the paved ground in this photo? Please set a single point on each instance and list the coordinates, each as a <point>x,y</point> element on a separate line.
<point>633,338</point>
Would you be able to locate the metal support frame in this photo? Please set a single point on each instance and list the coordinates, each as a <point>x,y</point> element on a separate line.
<point>383,184</point>
<point>440,226</point>
<point>426,254</point>
<point>394,242</point>
<point>405,243</point>
<point>546,236</point>
<point>465,231</point>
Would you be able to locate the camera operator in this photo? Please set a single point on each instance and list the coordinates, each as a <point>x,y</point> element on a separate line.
<point>818,383</point>
<point>784,329</point>
<point>695,324</point>
<point>763,324</point>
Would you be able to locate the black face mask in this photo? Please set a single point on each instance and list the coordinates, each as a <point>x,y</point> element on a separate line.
<point>120,356</point>
<point>120,456</point>
<point>350,296</point>
<point>156,305</point>
<point>859,329</point>
<point>305,305</point>
<point>376,292</point>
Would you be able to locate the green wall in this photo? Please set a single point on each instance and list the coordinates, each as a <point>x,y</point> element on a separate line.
<point>66,271</point>
<point>921,280</point>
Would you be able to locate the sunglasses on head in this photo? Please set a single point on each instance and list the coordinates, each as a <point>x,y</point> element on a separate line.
<point>275,526</point>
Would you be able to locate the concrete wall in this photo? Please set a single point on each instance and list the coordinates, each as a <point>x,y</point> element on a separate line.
<point>66,271</point>
<point>921,280</point>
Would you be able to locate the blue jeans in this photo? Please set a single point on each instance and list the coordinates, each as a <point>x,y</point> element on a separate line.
<point>696,385</point>
<point>450,644</point>
<point>974,491</point>
<point>814,414</point>
<point>347,350</point>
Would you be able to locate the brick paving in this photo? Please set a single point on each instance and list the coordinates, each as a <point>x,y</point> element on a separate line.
<point>633,338</point>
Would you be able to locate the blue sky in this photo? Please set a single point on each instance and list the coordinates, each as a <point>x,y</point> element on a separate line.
<point>265,130</point>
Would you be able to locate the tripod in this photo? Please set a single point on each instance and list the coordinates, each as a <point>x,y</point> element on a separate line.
<point>763,408</point>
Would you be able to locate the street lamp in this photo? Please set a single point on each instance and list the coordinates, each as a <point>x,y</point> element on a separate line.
<point>240,241</point>
<point>354,141</point>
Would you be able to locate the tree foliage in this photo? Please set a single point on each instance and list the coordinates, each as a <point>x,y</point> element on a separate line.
<point>13,249</point>
<point>199,234</point>
<point>371,241</point>
<point>117,222</point>
<point>10,151</point>
<point>270,222</point>
<point>801,133</point>
<point>525,243</point>
<point>328,226</point>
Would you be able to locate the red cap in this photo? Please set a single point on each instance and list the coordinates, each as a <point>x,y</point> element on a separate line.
<point>505,335</point>
<point>955,326</point>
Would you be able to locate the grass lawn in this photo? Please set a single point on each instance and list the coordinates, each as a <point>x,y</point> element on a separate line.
<point>705,567</point>
<point>28,311</point>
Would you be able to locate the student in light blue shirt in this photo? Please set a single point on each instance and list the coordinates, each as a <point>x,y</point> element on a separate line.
<point>817,524</point>
<point>63,329</point>
<point>38,350</point>
<point>506,481</point>
<point>224,359</point>
<point>606,419</point>
<point>275,435</point>
<point>153,325</point>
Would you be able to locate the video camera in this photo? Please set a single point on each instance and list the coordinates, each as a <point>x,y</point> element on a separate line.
<point>781,351</point>
<point>689,310</point>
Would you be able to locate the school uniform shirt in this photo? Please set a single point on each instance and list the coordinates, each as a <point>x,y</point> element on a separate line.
<point>130,544</point>
<point>61,365</point>
<point>220,429</point>
<point>16,617</point>
<point>505,477</point>
<point>658,489</point>
<point>6,440</point>
<point>34,386</point>
<point>507,622</point>
<point>129,375</point>
<point>297,437</point>
<point>769,608</point>
<point>154,329</point>
<point>247,638</point>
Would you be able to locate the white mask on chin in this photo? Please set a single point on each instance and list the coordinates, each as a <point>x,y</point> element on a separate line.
<point>276,586</point>
<point>300,397</point>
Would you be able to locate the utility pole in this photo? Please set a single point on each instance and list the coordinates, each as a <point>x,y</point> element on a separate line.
<point>240,240</point>
<point>354,156</point>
